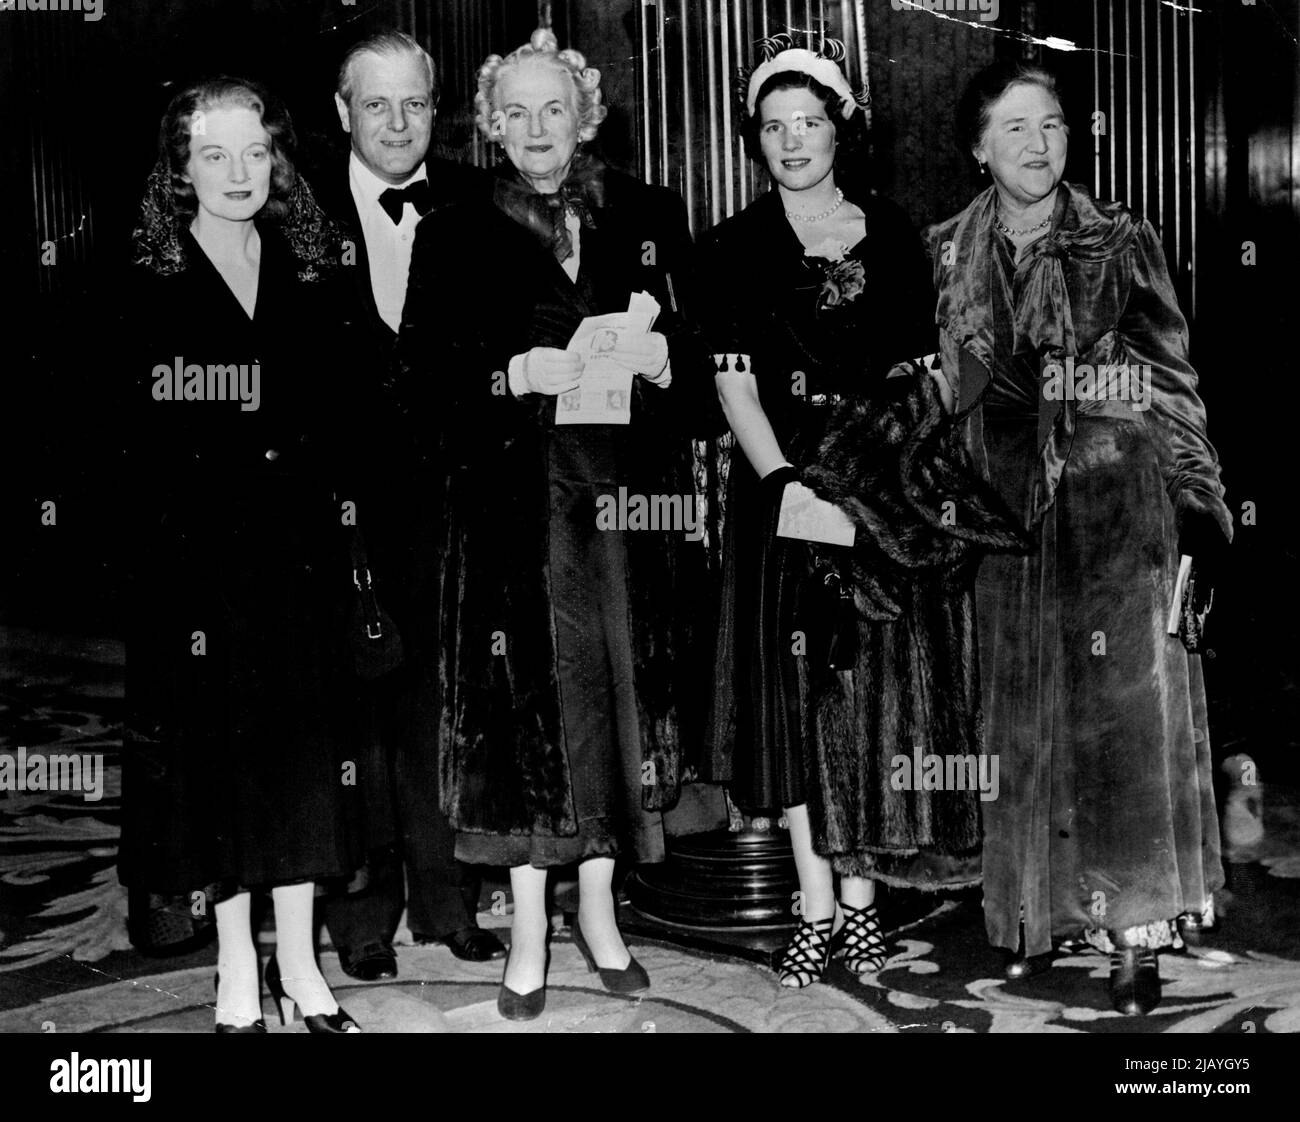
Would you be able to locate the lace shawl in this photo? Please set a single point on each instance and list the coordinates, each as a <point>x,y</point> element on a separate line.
<point>157,244</point>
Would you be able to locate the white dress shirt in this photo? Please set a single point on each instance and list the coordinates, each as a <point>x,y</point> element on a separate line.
<point>388,246</point>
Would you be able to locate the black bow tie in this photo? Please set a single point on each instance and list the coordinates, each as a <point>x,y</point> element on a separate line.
<point>418,194</point>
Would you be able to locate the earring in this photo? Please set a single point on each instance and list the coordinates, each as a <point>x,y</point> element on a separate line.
<point>984,169</point>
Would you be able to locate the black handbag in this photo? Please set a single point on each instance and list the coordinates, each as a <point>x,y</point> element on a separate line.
<point>376,642</point>
<point>828,616</point>
<point>1194,611</point>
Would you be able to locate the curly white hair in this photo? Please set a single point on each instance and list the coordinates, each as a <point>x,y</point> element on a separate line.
<point>544,47</point>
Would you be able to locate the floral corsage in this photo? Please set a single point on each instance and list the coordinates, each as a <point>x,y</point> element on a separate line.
<point>845,277</point>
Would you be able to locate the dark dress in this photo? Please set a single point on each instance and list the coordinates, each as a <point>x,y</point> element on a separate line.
<point>821,339</point>
<point>235,757</point>
<point>563,668</point>
<point>1106,820</point>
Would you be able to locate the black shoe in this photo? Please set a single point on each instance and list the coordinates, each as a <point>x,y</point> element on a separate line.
<point>374,965</point>
<point>1191,927</point>
<point>860,940</point>
<point>1018,965</point>
<point>524,1006</point>
<point>1134,981</point>
<point>808,954</point>
<point>337,1022</point>
<point>631,979</point>
<point>258,1025</point>
<point>473,944</point>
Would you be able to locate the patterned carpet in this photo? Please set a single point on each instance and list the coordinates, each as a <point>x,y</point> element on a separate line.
<point>65,961</point>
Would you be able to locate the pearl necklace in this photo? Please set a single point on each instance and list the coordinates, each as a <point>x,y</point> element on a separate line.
<point>839,202</point>
<point>1005,229</point>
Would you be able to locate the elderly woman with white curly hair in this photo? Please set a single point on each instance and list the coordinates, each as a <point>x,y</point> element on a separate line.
<point>564,632</point>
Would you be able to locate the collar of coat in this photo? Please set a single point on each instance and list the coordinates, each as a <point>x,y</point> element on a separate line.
<point>1045,292</point>
<point>962,249</point>
<point>582,193</point>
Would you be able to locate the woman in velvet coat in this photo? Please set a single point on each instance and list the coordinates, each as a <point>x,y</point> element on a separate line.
<point>563,663</point>
<point>1105,825</point>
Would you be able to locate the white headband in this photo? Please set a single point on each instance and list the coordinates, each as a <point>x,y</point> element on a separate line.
<point>825,71</point>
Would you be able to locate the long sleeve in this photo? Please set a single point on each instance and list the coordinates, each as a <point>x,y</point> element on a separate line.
<point>690,399</point>
<point>1155,335</point>
<point>449,372</point>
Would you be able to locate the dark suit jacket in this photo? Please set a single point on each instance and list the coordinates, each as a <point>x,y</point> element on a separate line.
<point>450,182</point>
<point>393,481</point>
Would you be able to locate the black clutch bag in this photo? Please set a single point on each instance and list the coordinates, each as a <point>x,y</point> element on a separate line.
<point>376,642</point>
<point>1193,615</point>
<point>1190,608</point>
<point>828,617</point>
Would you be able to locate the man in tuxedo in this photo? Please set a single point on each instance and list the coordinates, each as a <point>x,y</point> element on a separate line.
<point>386,96</point>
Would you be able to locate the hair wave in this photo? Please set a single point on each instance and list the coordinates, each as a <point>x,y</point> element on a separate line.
<point>544,47</point>
<point>986,88</point>
<point>852,138</point>
<point>184,117</point>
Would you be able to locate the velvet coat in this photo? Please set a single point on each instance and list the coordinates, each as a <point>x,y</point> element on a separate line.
<point>482,289</point>
<point>1105,820</point>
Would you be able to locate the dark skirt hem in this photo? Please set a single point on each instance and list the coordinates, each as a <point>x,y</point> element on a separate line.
<point>925,870</point>
<point>595,838</point>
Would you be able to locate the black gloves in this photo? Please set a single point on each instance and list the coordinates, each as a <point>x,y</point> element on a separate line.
<point>772,485</point>
<point>1200,537</point>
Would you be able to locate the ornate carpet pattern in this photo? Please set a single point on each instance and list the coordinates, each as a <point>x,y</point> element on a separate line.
<point>943,974</point>
<point>66,964</point>
<point>438,993</point>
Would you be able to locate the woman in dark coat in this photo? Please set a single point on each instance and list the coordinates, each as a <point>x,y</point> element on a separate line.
<point>818,293</point>
<point>1067,355</point>
<point>235,760</point>
<point>560,722</point>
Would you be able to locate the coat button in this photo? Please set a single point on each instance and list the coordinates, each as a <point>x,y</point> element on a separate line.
<point>272,454</point>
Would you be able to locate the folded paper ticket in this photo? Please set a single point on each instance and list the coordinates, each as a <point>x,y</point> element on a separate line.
<point>805,516</point>
<point>604,395</point>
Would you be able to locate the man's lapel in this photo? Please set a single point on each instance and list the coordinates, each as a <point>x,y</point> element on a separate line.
<point>365,295</point>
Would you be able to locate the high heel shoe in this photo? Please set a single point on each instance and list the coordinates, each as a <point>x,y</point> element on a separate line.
<point>808,953</point>
<point>631,979</point>
<point>1134,981</point>
<point>524,1006</point>
<point>1019,965</point>
<point>258,1025</point>
<point>861,940</point>
<point>316,1022</point>
<point>1191,927</point>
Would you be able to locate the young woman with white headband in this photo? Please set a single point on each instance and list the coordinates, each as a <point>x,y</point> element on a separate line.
<point>833,662</point>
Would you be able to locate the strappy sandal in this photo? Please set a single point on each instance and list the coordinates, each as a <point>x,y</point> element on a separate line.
<point>861,940</point>
<point>808,953</point>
